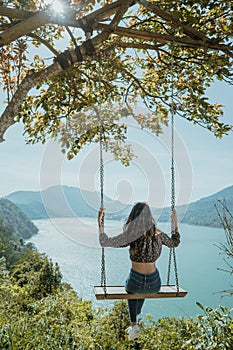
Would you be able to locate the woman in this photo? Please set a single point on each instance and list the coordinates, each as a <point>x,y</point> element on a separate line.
<point>145,242</point>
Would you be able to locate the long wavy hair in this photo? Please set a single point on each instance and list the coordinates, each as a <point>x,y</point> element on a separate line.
<point>141,220</point>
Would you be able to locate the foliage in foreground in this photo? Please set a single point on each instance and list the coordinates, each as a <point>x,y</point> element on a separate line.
<point>58,320</point>
<point>226,220</point>
<point>38,311</point>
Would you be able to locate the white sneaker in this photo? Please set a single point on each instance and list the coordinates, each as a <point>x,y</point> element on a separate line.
<point>133,332</point>
<point>140,321</point>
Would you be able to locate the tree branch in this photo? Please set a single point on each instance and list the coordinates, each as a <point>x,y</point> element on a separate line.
<point>15,13</point>
<point>31,79</point>
<point>132,45</point>
<point>23,28</point>
<point>22,15</point>
<point>110,28</point>
<point>107,11</point>
<point>44,42</point>
<point>188,30</point>
<point>165,38</point>
<point>138,82</point>
<point>33,20</point>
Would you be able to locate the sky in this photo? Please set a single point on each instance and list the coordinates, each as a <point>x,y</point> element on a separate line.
<point>204,164</point>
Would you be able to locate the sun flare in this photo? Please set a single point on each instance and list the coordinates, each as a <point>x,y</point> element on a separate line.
<point>56,5</point>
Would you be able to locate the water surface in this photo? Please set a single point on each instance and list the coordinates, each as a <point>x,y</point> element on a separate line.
<point>73,244</point>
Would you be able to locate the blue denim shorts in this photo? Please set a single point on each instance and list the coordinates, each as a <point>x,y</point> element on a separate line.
<point>139,283</point>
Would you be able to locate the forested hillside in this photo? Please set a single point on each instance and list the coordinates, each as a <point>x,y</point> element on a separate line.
<point>15,218</point>
<point>203,212</point>
<point>38,311</point>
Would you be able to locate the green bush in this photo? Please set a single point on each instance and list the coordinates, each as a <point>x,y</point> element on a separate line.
<point>56,321</point>
<point>38,312</point>
<point>36,273</point>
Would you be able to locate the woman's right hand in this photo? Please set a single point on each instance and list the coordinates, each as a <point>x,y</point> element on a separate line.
<point>101,214</point>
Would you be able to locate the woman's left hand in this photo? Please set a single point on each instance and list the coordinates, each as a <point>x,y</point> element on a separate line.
<point>174,220</point>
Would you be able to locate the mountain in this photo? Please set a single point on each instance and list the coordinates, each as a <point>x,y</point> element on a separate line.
<point>14,217</point>
<point>202,212</point>
<point>66,201</point>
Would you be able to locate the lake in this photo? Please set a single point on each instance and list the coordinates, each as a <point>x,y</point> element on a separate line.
<point>73,244</point>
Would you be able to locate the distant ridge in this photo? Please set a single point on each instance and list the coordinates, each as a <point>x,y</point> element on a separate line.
<point>203,211</point>
<point>64,201</point>
<point>68,201</point>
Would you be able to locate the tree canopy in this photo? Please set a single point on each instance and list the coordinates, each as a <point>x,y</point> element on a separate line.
<point>61,58</point>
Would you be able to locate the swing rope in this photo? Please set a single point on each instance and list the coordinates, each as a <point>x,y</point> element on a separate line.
<point>103,269</point>
<point>101,172</point>
<point>172,252</point>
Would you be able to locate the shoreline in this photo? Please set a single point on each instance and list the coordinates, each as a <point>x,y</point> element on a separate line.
<point>84,230</point>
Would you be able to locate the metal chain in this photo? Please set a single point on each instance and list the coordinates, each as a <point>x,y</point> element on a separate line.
<point>101,170</point>
<point>103,270</point>
<point>176,271</point>
<point>169,267</point>
<point>173,195</point>
<point>101,164</point>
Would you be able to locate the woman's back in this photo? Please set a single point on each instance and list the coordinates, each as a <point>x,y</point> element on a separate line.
<point>148,247</point>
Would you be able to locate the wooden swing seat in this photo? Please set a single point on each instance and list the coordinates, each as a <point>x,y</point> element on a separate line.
<point>119,292</point>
